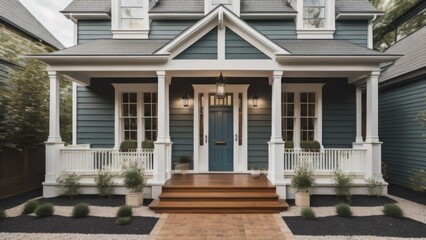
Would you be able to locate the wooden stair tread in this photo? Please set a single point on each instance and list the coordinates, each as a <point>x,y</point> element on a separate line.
<point>226,195</point>
<point>218,204</point>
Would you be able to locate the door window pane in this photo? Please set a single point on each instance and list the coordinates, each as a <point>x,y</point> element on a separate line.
<point>240,119</point>
<point>307,116</point>
<point>201,123</point>
<point>288,115</point>
<point>150,116</point>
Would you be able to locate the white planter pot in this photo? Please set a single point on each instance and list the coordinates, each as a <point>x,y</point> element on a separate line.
<point>302,199</point>
<point>255,173</point>
<point>134,199</point>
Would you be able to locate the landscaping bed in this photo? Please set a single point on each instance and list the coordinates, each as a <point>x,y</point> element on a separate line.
<point>357,201</point>
<point>407,193</point>
<point>88,225</point>
<point>93,200</point>
<point>14,201</point>
<point>361,226</point>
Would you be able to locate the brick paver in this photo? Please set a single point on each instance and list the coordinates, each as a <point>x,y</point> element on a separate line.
<point>221,226</point>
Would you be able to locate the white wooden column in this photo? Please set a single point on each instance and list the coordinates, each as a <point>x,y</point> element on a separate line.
<point>372,144</point>
<point>162,152</point>
<point>358,115</point>
<point>54,142</point>
<point>276,144</point>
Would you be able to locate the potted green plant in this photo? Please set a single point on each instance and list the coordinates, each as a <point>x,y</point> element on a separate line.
<point>302,181</point>
<point>183,164</point>
<point>255,171</point>
<point>134,180</point>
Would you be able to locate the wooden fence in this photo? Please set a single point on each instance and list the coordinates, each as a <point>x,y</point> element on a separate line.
<point>21,170</point>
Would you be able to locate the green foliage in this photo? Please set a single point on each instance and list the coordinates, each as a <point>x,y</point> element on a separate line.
<point>30,206</point>
<point>104,182</point>
<point>123,221</point>
<point>184,159</point>
<point>66,110</point>
<point>81,210</point>
<point>342,185</point>
<point>343,210</point>
<point>303,178</point>
<point>289,145</point>
<point>70,180</point>
<point>128,146</point>
<point>418,180</point>
<point>133,175</point>
<point>147,144</point>
<point>375,187</point>
<point>393,210</point>
<point>124,211</point>
<point>2,214</point>
<point>44,210</point>
<point>385,171</point>
<point>308,214</point>
<point>310,145</point>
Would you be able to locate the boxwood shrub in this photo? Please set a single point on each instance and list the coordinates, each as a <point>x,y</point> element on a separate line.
<point>44,210</point>
<point>308,213</point>
<point>343,210</point>
<point>30,206</point>
<point>81,210</point>
<point>128,146</point>
<point>2,214</point>
<point>123,221</point>
<point>393,210</point>
<point>124,211</point>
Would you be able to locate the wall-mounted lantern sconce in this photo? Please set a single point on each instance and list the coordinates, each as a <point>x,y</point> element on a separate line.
<point>220,87</point>
<point>185,100</point>
<point>255,100</point>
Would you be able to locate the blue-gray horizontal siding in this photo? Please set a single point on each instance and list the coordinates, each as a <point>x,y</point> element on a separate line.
<point>338,111</point>
<point>402,134</point>
<point>168,29</point>
<point>95,111</point>
<point>238,48</point>
<point>204,48</point>
<point>355,31</point>
<point>89,30</point>
<point>275,29</point>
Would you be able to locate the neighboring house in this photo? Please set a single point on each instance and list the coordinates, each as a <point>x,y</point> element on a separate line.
<point>402,98</point>
<point>150,70</point>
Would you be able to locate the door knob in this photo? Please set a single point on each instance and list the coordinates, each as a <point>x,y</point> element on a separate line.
<point>236,137</point>
<point>205,137</point>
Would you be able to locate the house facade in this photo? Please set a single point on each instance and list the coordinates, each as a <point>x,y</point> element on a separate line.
<point>226,83</point>
<point>402,99</point>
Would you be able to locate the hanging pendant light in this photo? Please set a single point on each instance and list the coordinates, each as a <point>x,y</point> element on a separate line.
<point>220,87</point>
<point>185,100</point>
<point>255,99</point>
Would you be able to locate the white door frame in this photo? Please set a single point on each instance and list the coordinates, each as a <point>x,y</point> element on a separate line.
<point>201,153</point>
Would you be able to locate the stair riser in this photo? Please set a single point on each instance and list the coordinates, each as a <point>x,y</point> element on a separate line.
<point>220,211</point>
<point>174,189</point>
<point>217,199</point>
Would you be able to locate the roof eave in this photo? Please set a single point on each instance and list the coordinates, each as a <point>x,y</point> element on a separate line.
<point>358,15</point>
<point>104,58</point>
<point>300,58</point>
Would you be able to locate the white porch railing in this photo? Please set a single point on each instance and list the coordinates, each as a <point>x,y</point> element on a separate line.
<point>89,161</point>
<point>326,161</point>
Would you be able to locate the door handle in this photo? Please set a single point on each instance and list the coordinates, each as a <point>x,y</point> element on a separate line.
<point>205,137</point>
<point>236,137</point>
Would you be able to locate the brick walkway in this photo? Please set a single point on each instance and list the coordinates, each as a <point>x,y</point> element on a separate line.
<point>221,226</point>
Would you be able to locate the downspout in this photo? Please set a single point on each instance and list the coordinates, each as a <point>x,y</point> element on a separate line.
<point>370,32</point>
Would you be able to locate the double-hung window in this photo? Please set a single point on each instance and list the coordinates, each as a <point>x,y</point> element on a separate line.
<point>313,14</point>
<point>301,112</point>
<point>136,112</point>
<point>130,19</point>
<point>131,14</point>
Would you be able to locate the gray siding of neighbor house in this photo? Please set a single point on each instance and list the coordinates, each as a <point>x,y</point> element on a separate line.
<point>339,111</point>
<point>402,134</point>
<point>167,29</point>
<point>89,30</point>
<point>275,29</point>
<point>95,112</point>
<point>238,48</point>
<point>353,31</point>
<point>204,48</point>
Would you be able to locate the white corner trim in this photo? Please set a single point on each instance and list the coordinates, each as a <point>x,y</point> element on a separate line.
<point>74,113</point>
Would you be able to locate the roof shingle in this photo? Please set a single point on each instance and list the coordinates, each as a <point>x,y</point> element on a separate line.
<point>88,6</point>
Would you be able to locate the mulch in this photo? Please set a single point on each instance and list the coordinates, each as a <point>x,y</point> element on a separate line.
<point>93,200</point>
<point>14,201</point>
<point>87,225</point>
<point>361,226</point>
<point>357,201</point>
<point>407,193</point>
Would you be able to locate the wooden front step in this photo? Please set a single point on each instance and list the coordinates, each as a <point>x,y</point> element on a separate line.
<point>218,193</point>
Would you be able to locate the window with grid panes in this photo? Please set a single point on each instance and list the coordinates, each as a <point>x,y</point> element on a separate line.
<point>288,115</point>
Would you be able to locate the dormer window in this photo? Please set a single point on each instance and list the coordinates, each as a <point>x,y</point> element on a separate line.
<point>130,19</point>
<point>313,14</point>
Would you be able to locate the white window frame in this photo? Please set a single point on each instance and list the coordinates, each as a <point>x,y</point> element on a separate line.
<point>316,33</point>
<point>118,32</point>
<point>298,88</point>
<point>140,89</point>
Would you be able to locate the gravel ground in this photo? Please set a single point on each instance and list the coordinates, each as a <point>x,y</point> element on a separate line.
<point>68,236</point>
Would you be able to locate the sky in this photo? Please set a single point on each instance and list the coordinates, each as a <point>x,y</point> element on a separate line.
<point>47,12</point>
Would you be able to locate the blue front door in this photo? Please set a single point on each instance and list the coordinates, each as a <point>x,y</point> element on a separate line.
<point>221,131</point>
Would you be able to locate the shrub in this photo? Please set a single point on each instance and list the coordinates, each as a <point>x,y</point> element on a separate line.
<point>104,182</point>
<point>393,210</point>
<point>184,160</point>
<point>375,187</point>
<point>418,181</point>
<point>2,214</point>
<point>134,177</point>
<point>147,144</point>
<point>81,210</point>
<point>303,178</point>
<point>124,211</point>
<point>308,214</point>
<point>343,184</point>
<point>44,210</point>
<point>128,146</point>
<point>289,144</point>
<point>30,206</point>
<point>70,180</point>
<point>343,210</point>
<point>310,145</point>
<point>123,221</point>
